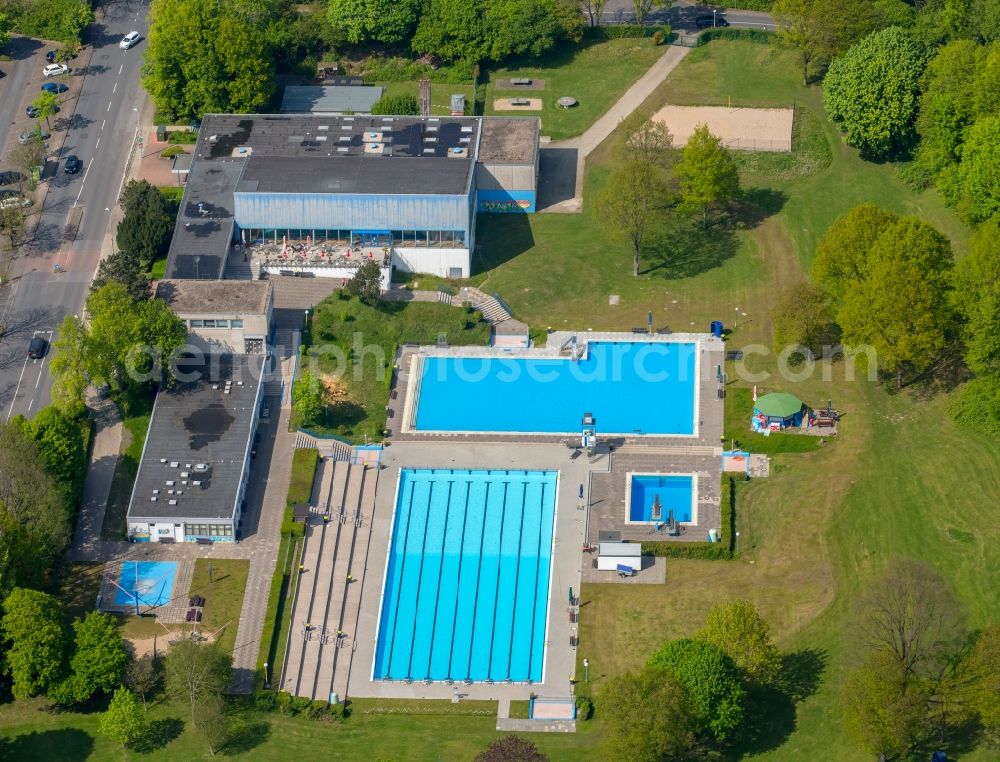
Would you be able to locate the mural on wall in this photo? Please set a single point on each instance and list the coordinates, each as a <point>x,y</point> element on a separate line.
<point>505,202</point>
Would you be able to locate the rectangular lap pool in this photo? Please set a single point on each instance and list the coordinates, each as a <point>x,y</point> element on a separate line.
<point>151,581</point>
<point>639,387</point>
<point>467,578</point>
<point>652,498</point>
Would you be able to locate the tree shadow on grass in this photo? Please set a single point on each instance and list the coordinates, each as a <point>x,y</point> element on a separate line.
<point>246,737</point>
<point>159,734</point>
<point>757,204</point>
<point>65,744</point>
<point>683,249</point>
<point>771,710</point>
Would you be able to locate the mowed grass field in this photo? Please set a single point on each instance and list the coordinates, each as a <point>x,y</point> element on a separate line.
<point>899,478</point>
<point>596,73</point>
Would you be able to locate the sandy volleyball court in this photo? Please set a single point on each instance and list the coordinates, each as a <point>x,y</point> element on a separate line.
<point>741,129</point>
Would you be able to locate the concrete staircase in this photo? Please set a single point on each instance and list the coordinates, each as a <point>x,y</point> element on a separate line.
<point>327,604</point>
<point>236,268</point>
<point>491,307</point>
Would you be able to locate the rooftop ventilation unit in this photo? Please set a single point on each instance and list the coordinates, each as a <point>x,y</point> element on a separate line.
<point>170,482</point>
<point>184,474</point>
<point>196,483</point>
<point>373,137</point>
<point>163,460</point>
<point>458,152</point>
<point>152,499</point>
<point>174,464</point>
<point>241,152</point>
<point>374,148</point>
<point>171,502</point>
<point>201,467</point>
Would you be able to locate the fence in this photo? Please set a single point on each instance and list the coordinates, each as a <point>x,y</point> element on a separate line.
<point>776,145</point>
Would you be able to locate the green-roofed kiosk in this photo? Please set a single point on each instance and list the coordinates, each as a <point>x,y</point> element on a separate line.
<point>777,410</point>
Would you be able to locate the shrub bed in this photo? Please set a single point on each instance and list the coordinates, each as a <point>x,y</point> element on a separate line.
<point>728,33</point>
<point>705,551</point>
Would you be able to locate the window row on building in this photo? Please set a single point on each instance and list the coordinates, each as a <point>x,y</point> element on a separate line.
<point>215,323</point>
<point>208,530</point>
<point>440,238</point>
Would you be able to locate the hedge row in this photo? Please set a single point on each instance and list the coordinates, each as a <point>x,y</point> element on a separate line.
<point>622,31</point>
<point>750,5</point>
<point>294,706</point>
<point>407,70</point>
<point>304,462</point>
<point>705,551</point>
<point>728,33</point>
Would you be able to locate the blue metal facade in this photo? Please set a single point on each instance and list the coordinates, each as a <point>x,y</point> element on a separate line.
<point>348,211</point>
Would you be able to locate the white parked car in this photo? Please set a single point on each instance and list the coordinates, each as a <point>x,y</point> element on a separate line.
<point>55,69</point>
<point>129,40</point>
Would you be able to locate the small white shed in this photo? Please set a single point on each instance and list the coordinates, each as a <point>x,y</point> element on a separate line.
<point>611,555</point>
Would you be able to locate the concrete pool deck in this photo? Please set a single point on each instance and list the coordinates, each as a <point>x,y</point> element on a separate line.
<point>568,531</point>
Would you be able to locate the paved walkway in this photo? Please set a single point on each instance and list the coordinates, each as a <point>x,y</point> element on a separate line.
<point>107,442</point>
<point>561,153</point>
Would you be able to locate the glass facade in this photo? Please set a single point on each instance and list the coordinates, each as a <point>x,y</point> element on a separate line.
<point>208,530</point>
<point>369,238</point>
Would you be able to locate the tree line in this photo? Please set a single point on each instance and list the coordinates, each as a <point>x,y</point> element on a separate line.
<point>41,656</point>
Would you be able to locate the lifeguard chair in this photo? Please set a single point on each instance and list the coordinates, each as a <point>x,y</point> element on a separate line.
<point>588,438</point>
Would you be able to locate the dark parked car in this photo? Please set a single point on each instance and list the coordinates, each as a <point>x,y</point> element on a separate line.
<point>707,22</point>
<point>50,57</point>
<point>37,348</point>
<point>54,87</point>
<point>73,164</point>
<point>32,112</point>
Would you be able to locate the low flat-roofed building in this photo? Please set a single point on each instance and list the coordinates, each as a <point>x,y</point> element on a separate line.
<point>228,316</point>
<point>195,462</point>
<point>330,99</point>
<point>318,195</point>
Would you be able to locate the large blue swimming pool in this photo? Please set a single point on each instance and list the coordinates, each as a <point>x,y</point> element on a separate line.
<point>630,387</point>
<point>467,580</point>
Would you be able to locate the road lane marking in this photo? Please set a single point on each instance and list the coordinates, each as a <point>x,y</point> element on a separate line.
<point>87,172</point>
<point>97,144</point>
<point>41,370</point>
<point>103,122</point>
<point>109,105</point>
<point>31,402</point>
<point>16,390</point>
<point>115,88</point>
<point>120,68</point>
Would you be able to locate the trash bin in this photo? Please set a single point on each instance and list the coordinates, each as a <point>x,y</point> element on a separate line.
<point>161,133</point>
<point>716,328</point>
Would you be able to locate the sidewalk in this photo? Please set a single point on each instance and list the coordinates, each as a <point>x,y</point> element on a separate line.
<point>599,131</point>
<point>107,443</point>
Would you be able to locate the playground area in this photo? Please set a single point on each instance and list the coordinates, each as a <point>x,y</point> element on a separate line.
<point>740,129</point>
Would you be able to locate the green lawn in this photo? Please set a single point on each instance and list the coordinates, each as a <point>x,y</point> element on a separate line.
<point>353,346</point>
<point>222,582</point>
<point>134,427</point>
<point>596,73</point>
<point>441,93</point>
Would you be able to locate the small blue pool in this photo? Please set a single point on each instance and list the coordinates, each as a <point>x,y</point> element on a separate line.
<point>467,579</point>
<point>151,581</point>
<point>673,492</point>
<point>631,387</point>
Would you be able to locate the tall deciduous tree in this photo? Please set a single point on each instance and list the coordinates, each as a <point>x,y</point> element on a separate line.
<point>646,140</point>
<point>147,223</point>
<point>34,523</point>
<point>885,708</point>
<point>126,268</point>
<point>710,678</point>
<point>374,20</point>
<point>643,7</point>
<point>99,655</point>
<point>872,92</point>
<point>901,308</point>
<point>979,196</point>
<point>649,716</point>
<point>307,397</point>
<point>124,720</point>
<point>142,677</point>
<point>36,641</point>
<point>739,631</point>
<point>197,672</point>
<point>45,105</point>
<point>212,722</point>
<point>842,254</point>
<point>634,194</point>
<point>802,315</point>
<point>707,173</point>
<point>820,29</point>
<point>594,10</point>
<point>978,298</point>
<point>225,64</point>
<point>910,613</point>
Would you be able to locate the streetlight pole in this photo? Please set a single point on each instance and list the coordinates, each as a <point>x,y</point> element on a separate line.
<point>586,670</point>
<point>737,543</point>
<point>714,11</point>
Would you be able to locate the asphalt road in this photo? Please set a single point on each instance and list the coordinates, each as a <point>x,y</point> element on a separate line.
<point>100,132</point>
<point>682,15</point>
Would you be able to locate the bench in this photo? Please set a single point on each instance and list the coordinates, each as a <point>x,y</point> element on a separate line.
<point>520,82</point>
<point>520,102</point>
